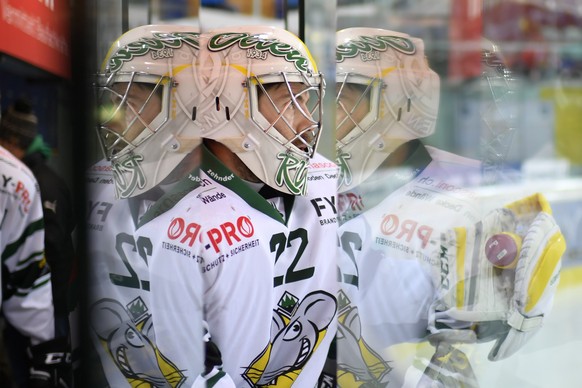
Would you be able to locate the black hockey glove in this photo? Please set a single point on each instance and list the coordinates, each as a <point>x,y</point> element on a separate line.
<point>50,364</point>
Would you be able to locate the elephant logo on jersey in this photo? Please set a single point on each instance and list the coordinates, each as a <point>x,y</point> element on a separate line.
<point>128,175</point>
<point>127,335</point>
<point>297,329</point>
<point>357,364</point>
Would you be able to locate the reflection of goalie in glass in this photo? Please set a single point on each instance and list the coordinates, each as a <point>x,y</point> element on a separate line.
<point>131,345</point>
<point>395,194</point>
<point>406,209</point>
<point>150,149</point>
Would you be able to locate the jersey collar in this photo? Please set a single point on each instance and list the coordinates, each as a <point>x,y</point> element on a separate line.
<point>219,173</point>
<point>167,200</point>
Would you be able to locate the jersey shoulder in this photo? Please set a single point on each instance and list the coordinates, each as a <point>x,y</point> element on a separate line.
<point>209,196</point>
<point>452,160</point>
<point>18,182</point>
<point>207,203</point>
<point>456,167</point>
<point>11,166</point>
<point>322,176</point>
<point>101,169</point>
<point>320,163</point>
<point>100,182</point>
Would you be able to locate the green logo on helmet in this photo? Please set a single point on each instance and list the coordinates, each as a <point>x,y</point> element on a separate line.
<point>367,45</point>
<point>128,175</point>
<point>257,42</point>
<point>297,182</point>
<point>345,170</point>
<point>159,41</point>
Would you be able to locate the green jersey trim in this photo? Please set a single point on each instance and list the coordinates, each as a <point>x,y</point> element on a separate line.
<point>12,248</point>
<point>169,199</point>
<point>211,382</point>
<point>219,173</point>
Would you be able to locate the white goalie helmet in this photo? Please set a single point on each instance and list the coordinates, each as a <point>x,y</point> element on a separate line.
<point>386,95</point>
<point>147,94</point>
<point>262,99</point>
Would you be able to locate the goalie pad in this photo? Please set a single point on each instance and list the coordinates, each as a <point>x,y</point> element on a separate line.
<point>505,305</point>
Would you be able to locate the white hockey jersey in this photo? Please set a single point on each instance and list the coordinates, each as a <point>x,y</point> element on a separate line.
<point>133,348</point>
<point>25,288</point>
<point>268,273</point>
<point>388,251</point>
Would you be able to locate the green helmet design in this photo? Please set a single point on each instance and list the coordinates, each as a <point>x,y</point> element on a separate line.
<point>147,100</point>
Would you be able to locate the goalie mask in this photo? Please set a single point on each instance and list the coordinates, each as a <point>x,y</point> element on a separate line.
<point>263,101</point>
<point>147,95</point>
<point>386,95</point>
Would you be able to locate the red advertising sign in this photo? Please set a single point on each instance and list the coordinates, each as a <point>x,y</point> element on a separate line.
<point>37,32</point>
<point>465,37</point>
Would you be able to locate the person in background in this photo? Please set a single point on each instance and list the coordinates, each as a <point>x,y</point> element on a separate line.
<point>19,135</point>
<point>27,303</point>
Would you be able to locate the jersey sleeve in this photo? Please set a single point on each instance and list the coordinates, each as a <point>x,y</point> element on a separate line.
<point>26,285</point>
<point>58,225</point>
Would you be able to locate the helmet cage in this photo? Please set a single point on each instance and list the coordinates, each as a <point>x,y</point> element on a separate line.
<point>116,144</point>
<point>403,93</point>
<point>305,140</point>
<point>372,92</point>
